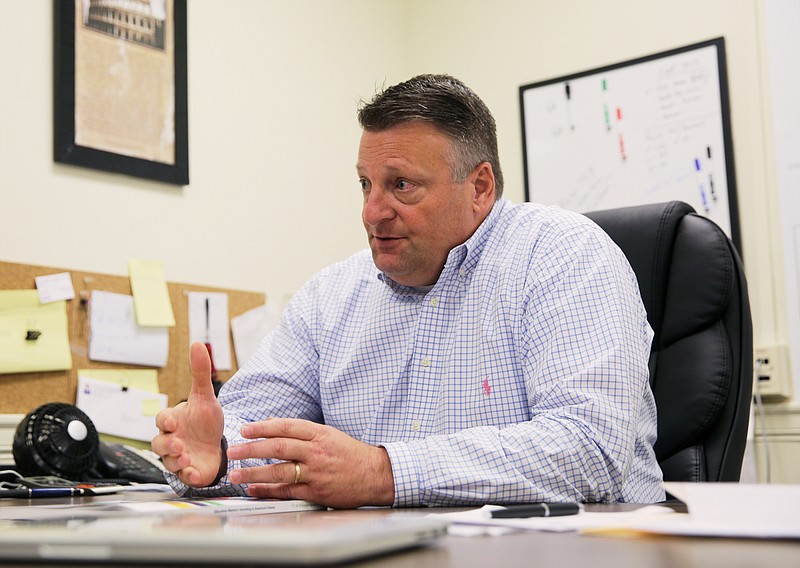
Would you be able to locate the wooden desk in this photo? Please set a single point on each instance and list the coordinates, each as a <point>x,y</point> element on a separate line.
<point>558,550</point>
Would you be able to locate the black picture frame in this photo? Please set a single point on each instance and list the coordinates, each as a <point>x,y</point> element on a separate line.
<point>174,169</point>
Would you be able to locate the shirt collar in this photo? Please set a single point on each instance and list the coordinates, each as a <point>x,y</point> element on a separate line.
<point>462,258</point>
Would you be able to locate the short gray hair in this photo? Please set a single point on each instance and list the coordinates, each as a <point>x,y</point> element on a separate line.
<point>452,108</point>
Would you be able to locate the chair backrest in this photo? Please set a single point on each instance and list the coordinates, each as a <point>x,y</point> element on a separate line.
<point>701,363</point>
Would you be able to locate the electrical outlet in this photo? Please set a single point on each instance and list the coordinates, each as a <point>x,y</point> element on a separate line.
<point>772,365</point>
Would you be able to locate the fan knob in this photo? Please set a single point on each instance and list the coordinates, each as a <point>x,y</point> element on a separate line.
<point>77,430</point>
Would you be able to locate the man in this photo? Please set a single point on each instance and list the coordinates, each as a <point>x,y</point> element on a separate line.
<point>479,351</point>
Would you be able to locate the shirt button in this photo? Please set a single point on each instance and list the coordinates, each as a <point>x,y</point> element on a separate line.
<point>434,302</point>
<point>462,272</point>
<point>416,425</point>
<point>426,362</point>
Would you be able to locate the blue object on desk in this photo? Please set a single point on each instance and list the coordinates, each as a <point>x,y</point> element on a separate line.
<point>37,493</point>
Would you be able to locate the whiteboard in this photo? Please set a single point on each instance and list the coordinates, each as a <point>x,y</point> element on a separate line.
<point>647,130</point>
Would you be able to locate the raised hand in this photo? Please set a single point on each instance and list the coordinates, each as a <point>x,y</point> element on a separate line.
<point>190,433</point>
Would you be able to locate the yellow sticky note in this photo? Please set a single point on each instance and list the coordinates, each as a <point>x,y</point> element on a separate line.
<point>150,294</point>
<point>151,406</point>
<point>33,336</point>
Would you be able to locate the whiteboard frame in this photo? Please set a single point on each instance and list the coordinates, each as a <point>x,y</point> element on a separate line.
<point>724,122</point>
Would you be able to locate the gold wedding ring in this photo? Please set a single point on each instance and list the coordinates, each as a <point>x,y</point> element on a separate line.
<point>296,473</point>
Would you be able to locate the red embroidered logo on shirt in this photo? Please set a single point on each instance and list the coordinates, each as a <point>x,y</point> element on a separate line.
<point>487,388</point>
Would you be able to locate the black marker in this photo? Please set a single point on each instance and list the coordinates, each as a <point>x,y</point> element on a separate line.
<point>537,510</point>
<point>568,92</point>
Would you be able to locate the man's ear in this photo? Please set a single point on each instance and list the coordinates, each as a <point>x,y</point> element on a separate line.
<point>484,186</point>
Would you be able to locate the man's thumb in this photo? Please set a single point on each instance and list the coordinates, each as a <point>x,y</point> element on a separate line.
<point>200,364</point>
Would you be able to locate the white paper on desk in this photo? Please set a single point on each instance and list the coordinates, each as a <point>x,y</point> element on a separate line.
<point>208,323</point>
<point>582,521</point>
<point>120,411</point>
<point>124,508</point>
<point>250,328</point>
<point>732,510</point>
<point>117,338</point>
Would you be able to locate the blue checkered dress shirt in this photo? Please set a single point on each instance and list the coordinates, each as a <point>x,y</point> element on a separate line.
<point>521,376</point>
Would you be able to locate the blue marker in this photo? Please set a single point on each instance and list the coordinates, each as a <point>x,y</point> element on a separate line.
<point>703,198</point>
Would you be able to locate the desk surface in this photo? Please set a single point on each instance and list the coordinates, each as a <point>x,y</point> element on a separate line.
<point>557,549</point>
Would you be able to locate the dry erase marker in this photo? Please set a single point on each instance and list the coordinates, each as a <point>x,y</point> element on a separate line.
<point>537,510</point>
<point>568,93</point>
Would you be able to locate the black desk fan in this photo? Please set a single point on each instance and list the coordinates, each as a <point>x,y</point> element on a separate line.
<point>56,439</point>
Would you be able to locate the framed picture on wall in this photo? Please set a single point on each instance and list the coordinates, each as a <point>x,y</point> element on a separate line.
<point>120,87</point>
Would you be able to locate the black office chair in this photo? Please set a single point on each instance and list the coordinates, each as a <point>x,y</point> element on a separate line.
<point>701,363</point>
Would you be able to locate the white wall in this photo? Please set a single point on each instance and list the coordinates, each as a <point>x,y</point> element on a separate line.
<point>273,91</point>
<point>273,88</point>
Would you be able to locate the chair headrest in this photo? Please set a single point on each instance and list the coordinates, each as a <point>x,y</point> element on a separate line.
<point>681,291</point>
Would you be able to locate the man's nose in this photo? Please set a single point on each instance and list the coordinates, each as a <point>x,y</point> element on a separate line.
<point>377,206</point>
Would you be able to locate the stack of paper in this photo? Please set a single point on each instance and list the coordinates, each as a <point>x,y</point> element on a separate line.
<point>715,509</point>
<point>731,510</point>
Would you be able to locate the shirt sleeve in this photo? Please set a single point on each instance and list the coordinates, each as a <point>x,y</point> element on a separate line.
<point>585,344</point>
<point>281,379</point>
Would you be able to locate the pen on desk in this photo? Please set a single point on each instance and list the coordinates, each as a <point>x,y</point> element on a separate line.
<point>39,492</point>
<point>537,510</point>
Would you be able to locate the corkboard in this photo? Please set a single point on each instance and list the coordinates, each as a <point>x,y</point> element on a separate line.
<point>22,392</point>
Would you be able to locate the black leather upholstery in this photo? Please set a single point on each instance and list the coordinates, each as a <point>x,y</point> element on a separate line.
<point>695,294</point>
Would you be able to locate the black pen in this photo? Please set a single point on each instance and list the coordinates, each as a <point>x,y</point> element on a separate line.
<point>39,492</point>
<point>537,510</point>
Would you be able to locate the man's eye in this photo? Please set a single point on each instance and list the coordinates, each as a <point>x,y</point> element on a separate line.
<point>403,184</point>
<point>364,184</point>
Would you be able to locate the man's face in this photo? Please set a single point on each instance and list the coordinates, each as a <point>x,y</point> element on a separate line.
<point>413,212</point>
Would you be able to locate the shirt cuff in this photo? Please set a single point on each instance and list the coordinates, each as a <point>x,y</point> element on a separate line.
<point>219,487</point>
<point>223,464</point>
<point>407,491</point>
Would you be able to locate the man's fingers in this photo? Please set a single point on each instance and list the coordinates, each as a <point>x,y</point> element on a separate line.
<point>176,463</point>
<point>200,364</point>
<point>165,420</point>
<point>190,476</point>
<point>283,472</point>
<point>280,491</point>
<point>294,428</point>
<point>275,448</point>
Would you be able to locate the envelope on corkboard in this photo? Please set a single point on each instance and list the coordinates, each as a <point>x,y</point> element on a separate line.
<point>119,410</point>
